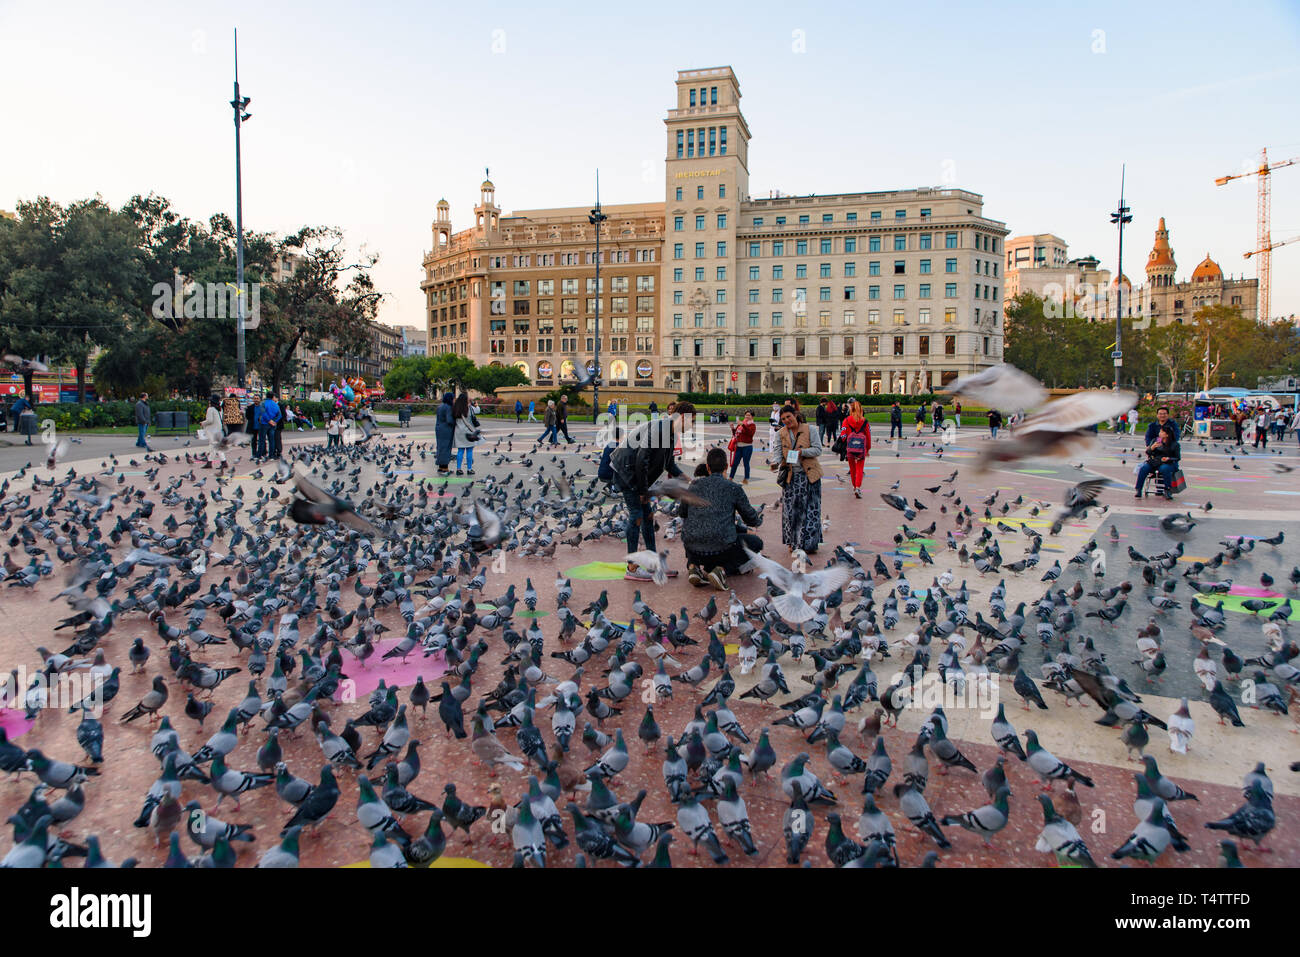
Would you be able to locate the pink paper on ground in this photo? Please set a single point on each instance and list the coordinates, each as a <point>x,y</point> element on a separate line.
<point>1250,592</point>
<point>395,674</point>
<point>15,722</point>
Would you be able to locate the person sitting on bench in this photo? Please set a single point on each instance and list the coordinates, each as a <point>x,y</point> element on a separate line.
<point>1162,455</point>
<point>712,541</point>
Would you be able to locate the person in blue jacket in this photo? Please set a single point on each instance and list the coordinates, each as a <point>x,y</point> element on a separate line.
<point>444,431</point>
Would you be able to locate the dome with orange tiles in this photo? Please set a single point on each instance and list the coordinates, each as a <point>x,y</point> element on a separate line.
<point>1207,271</point>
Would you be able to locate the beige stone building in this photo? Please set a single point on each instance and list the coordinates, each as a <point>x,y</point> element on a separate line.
<point>1041,264</point>
<point>521,290</point>
<point>711,289</point>
<point>889,291</point>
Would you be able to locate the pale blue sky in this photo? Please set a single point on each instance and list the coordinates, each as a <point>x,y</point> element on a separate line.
<point>364,115</point>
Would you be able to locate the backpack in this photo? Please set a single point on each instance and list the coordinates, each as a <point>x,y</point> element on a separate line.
<point>856,444</point>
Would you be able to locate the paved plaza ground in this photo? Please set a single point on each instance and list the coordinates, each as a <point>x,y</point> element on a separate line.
<point>1246,494</point>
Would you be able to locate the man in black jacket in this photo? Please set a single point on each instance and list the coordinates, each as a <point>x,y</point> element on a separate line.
<point>895,419</point>
<point>712,541</point>
<point>644,455</point>
<point>1163,455</point>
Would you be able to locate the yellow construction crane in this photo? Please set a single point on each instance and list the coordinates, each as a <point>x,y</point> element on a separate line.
<point>1264,244</point>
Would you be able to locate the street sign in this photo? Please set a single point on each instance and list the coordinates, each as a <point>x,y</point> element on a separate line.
<point>1117,354</point>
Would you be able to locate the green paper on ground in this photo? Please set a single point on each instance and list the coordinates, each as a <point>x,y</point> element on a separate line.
<point>598,571</point>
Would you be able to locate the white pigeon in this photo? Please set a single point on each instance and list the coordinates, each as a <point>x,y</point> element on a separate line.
<point>1181,729</point>
<point>1207,671</point>
<point>656,563</point>
<point>791,605</point>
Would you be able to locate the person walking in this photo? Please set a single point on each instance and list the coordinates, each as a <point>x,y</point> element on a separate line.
<point>773,424</point>
<point>800,476</point>
<point>548,424</point>
<point>331,430</point>
<point>519,411</point>
<point>936,413</point>
<point>1261,427</point>
<point>742,444</point>
<point>820,418</point>
<point>213,430</point>
<point>995,422</point>
<point>532,406</point>
<point>468,433</point>
<point>895,420</point>
<point>956,413</point>
<point>645,453</point>
<point>562,419</point>
<point>856,434</point>
<point>1238,423</point>
<point>444,431</point>
<point>920,418</point>
<point>141,422</point>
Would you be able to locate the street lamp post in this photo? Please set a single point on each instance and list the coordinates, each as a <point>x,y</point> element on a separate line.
<point>239,103</point>
<point>1119,218</point>
<point>596,218</point>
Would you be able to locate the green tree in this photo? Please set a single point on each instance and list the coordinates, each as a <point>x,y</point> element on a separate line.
<point>324,296</point>
<point>67,280</point>
<point>448,370</point>
<point>487,379</point>
<point>408,376</point>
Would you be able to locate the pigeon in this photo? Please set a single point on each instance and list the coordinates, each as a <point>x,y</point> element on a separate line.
<point>1048,766</point>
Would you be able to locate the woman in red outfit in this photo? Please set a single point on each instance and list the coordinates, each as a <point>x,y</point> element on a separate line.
<point>857,440</point>
<point>742,445</point>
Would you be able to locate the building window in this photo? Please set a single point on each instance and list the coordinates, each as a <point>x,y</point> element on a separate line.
<point>753,320</point>
<point>950,345</point>
<point>753,273</point>
<point>722,148</point>
<point>825,246</point>
<point>713,141</point>
<point>722,250</point>
<point>753,348</point>
<point>699,190</point>
<point>850,217</point>
<point>721,347</point>
<point>677,348</point>
<point>924,345</point>
<point>850,269</point>
<point>801,271</point>
<point>776,347</point>
<point>699,250</point>
<point>800,347</point>
<point>679,223</point>
<point>677,273</point>
<point>778,295</point>
<point>950,290</point>
<point>801,247</point>
<point>722,273</point>
<point>722,188</point>
<point>677,320</point>
<point>900,292</point>
<point>521,307</point>
<point>824,294</point>
<point>699,348</point>
<point>720,295</point>
<point>873,268</point>
<point>873,317</point>
<point>778,272</point>
<point>753,295</point>
<point>873,345</point>
<point>924,291</point>
<point>873,244</point>
<point>923,317</point>
<point>690,141</point>
<point>778,247</point>
<point>850,318</point>
<point>949,240</point>
<point>699,274</point>
<point>722,220</point>
<point>850,244</point>
<point>679,189</point>
<point>780,220</point>
<point>950,265</point>
<point>699,320</point>
<point>925,267</point>
<point>678,250</point>
<point>679,150</point>
<point>824,269</point>
<point>873,292</point>
<point>900,242</point>
<point>850,293</point>
<point>900,267</point>
<point>900,317</point>
<point>898,345</point>
<point>778,319</point>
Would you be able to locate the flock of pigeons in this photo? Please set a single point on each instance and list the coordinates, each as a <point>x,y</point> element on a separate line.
<point>191,579</point>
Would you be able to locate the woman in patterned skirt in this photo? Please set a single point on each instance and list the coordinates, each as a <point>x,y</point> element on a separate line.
<point>800,474</point>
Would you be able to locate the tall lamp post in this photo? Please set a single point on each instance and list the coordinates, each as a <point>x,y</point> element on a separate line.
<point>596,218</point>
<point>239,103</point>
<point>1119,218</point>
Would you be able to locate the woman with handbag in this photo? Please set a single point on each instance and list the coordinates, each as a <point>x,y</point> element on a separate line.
<point>741,446</point>
<point>800,477</point>
<point>444,431</point>
<point>468,433</point>
<point>856,436</point>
